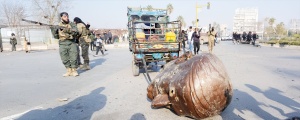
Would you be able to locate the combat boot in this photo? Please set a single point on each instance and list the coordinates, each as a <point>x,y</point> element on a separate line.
<point>74,72</point>
<point>87,67</point>
<point>68,73</point>
<point>81,67</point>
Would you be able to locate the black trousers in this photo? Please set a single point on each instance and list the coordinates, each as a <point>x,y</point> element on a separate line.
<point>99,48</point>
<point>196,47</point>
<point>183,44</point>
<point>92,46</point>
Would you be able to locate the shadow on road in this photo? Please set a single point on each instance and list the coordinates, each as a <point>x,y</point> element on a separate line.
<point>242,101</point>
<point>138,116</point>
<point>96,62</point>
<point>276,95</point>
<point>82,108</point>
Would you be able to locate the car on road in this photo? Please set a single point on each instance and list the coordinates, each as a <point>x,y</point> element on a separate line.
<point>225,38</point>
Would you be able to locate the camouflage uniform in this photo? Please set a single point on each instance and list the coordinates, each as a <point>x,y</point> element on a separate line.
<point>211,38</point>
<point>84,42</point>
<point>13,42</point>
<point>68,48</point>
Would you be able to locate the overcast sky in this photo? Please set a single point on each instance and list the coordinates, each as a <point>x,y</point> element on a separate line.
<point>112,13</point>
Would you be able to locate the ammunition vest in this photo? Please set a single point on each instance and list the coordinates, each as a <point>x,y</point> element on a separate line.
<point>66,33</point>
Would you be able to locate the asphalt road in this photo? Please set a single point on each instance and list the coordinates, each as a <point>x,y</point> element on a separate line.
<point>266,84</point>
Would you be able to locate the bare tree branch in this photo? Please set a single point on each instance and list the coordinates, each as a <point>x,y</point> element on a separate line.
<point>49,9</point>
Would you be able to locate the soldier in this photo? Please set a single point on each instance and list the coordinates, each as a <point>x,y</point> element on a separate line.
<point>67,46</point>
<point>13,42</point>
<point>1,46</point>
<point>84,42</point>
<point>211,38</point>
<point>92,37</point>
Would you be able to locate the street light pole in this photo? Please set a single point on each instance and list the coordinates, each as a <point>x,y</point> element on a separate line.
<point>200,6</point>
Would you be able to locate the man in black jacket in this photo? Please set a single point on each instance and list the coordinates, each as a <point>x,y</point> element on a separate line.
<point>254,37</point>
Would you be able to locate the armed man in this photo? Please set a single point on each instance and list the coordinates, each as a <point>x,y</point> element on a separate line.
<point>84,42</point>
<point>13,42</point>
<point>211,37</point>
<point>67,46</point>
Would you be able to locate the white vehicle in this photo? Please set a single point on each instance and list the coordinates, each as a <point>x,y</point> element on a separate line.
<point>224,38</point>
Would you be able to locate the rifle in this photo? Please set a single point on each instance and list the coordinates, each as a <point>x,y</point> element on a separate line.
<point>55,28</point>
<point>43,24</point>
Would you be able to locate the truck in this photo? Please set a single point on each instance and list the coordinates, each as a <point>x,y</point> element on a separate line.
<point>152,37</point>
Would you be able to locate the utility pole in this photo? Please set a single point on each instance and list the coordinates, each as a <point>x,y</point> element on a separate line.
<point>200,6</point>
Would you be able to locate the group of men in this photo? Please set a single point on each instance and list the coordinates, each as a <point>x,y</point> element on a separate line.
<point>248,38</point>
<point>193,39</point>
<point>72,35</point>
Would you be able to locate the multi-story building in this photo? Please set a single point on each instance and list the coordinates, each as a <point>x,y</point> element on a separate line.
<point>294,25</point>
<point>245,19</point>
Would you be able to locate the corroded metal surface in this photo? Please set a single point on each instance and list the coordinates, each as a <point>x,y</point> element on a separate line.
<point>197,86</point>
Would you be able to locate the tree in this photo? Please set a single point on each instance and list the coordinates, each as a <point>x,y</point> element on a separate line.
<point>280,29</point>
<point>181,19</point>
<point>217,27</point>
<point>271,21</point>
<point>170,8</point>
<point>49,9</point>
<point>13,12</point>
<point>149,7</point>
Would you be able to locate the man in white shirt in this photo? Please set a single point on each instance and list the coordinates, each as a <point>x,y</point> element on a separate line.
<point>190,39</point>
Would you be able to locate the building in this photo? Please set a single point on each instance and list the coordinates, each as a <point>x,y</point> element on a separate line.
<point>245,19</point>
<point>294,25</point>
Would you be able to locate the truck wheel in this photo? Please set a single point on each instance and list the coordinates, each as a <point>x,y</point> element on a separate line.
<point>135,69</point>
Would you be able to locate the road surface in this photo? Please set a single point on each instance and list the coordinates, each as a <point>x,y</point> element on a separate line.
<point>266,84</point>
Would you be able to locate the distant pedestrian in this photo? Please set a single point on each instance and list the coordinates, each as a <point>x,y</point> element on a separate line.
<point>105,37</point>
<point>182,36</point>
<point>99,43</point>
<point>244,36</point>
<point>109,37</point>
<point>233,37</point>
<point>249,37</point>
<point>26,44</point>
<point>1,46</point>
<point>92,37</point>
<point>190,38</point>
<point>254,37</point>
<point>13,42</point>
<point>211,36</point>
<point>196,41</point>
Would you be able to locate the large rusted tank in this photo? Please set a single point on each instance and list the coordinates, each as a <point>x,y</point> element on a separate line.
<point>197,86</point>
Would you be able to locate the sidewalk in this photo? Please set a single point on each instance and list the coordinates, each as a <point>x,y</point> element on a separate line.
<point>277,46</point>
<point>42,46</point>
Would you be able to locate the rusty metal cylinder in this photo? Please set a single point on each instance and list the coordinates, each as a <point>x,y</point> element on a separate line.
<point>198,87</point>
